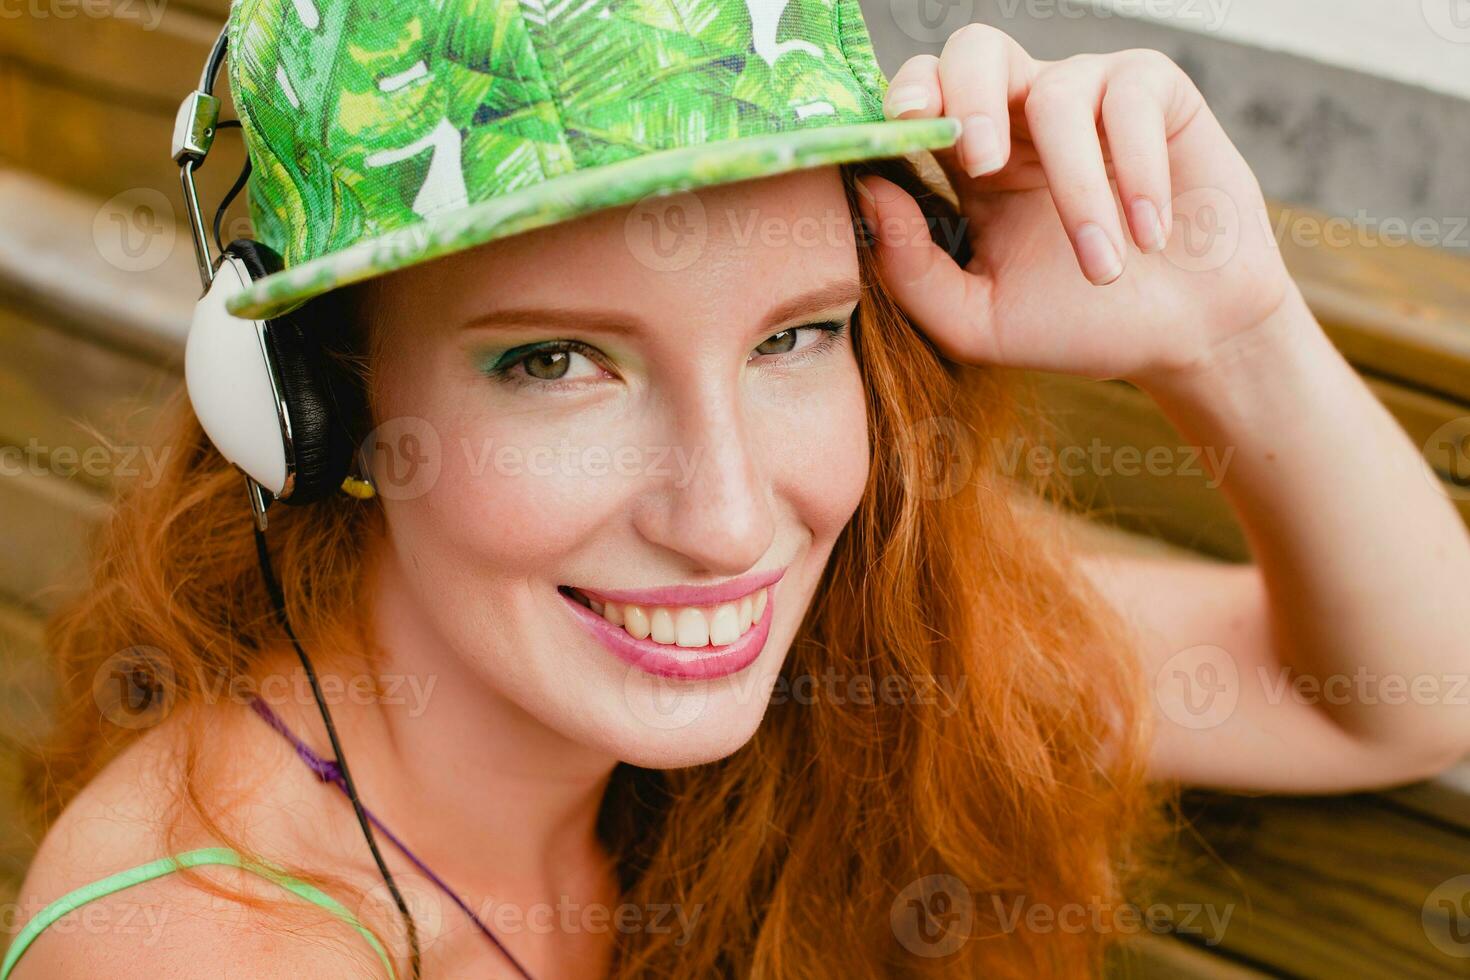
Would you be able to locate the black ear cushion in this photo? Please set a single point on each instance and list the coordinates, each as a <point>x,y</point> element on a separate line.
<point>321,448</point>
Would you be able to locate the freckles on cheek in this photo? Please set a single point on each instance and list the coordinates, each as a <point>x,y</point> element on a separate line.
<point>510,497</point>
<point>824,459</point>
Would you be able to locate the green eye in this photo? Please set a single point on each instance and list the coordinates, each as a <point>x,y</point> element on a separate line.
<point>548,365</point>
<point>550,361</point>
<point>821,335</point>
<point>778,343</point>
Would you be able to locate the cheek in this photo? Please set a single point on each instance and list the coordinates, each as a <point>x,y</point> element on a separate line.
<point>818,445</point>
<point>519,495</point>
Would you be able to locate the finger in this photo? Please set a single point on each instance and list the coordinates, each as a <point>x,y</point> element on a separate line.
<point>1133,116</point>
<point>1061,114</point>
<point>980,70</point>
<point>914,91</point>
<point>950,305</point>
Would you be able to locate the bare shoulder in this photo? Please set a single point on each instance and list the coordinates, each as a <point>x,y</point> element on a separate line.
<point>167,926</point>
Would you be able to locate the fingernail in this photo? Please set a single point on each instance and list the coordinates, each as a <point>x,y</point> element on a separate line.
<point>1147,226</point>
<point>1100,260</point>
<point>980,145</point>
<point>906,99</point>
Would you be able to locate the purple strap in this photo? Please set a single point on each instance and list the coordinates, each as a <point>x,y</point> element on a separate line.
<point>327,771</point>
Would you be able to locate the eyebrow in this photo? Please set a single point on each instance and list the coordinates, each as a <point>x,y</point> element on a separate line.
<point>838,292</point>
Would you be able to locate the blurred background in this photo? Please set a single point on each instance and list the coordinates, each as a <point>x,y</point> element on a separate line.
<point>1354,114</point>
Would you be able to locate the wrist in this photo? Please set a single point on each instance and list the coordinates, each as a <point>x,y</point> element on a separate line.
<point>1273,356</point>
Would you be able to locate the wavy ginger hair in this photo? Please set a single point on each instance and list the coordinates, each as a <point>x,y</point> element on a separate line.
<point>808,850</point>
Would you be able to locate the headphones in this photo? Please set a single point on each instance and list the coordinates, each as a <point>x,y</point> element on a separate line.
<point>266,396</point>
<point>265,391</point>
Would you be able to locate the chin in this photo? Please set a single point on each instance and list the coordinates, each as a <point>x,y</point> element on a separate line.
<point>659,723</point>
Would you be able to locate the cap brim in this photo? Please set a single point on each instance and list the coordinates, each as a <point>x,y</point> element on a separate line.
<point>575,194</point>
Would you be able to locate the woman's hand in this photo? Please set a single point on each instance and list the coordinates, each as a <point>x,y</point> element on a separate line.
<point>1116,230</point>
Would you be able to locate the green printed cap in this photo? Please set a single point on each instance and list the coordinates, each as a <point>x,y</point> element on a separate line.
<point>383,133</point>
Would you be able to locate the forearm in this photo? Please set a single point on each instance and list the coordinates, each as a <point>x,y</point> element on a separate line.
<point>1365,561</point>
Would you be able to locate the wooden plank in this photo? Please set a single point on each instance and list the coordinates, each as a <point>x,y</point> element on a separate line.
<point>1399,309</point>
<point>25,705</point>
<point>1324,886</point>
<point>62,260</point>
<point>148,54</point>
<point>85,139</point>
<point>1179,501</point>
<point>46,522</point>
<point>57,389</point>
<point>1162,957</point>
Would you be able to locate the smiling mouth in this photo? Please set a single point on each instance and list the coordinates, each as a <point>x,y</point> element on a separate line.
<point>679,625</point>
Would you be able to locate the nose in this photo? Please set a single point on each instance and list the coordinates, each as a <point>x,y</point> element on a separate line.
<point>712,504</point>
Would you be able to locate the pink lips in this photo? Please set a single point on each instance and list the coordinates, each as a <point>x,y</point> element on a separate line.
<point>689,595</point>
<point>685,663</point>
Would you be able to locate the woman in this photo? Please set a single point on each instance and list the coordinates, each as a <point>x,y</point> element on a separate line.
<point>663,643</point>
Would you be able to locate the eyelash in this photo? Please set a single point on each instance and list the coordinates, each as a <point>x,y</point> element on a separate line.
<point>504,370</point>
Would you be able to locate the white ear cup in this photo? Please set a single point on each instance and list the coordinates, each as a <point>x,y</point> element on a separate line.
<point>230,383</point>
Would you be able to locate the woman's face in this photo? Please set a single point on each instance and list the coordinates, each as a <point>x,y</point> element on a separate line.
<point>597,441</point>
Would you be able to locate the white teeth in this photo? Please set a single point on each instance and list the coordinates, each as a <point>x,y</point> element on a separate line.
<point>663,625</point>
<point>686,626</point>
<point>637,625</point>
<point>725,626</point>
<point>691,629</point>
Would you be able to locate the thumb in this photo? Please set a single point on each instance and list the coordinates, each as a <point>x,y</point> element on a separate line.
<point>951,306</point>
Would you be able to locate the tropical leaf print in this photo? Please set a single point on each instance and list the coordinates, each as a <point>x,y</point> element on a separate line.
<point>366,116</point>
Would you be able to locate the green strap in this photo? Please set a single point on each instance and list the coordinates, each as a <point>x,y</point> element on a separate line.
<point>156,869</point>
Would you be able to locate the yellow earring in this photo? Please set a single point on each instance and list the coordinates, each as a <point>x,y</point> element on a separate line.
<point>358,489</point>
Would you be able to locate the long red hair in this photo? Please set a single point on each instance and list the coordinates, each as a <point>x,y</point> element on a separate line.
<point>848,829</point>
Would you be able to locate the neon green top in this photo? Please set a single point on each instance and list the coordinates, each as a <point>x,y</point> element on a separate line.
<point>155,869</point>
